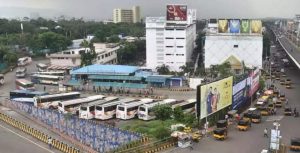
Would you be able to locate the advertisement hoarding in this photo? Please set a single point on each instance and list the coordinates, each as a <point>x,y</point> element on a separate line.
<point>253,81</point>
<point>215,96</point>
<point>245,26</point>
<point>239,94</point>
<point>234,26</point>
<point>223,26</point>
<point>256,26</point>
<point>176,13</point>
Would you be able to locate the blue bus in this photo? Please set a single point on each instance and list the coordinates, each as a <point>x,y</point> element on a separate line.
<point>25,94</point>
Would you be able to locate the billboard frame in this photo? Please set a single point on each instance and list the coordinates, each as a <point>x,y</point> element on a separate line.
<point>185,21</point>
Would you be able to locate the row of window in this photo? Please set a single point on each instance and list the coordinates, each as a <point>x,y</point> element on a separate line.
<point>170,29</point>
<point>105,55</point>
<point>175,54</point>
<point>175,38</point>
<point>173,46</point>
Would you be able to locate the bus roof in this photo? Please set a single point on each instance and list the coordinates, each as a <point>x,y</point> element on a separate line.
<point>28,100</point>
<point>30,92</point>
<point>49,72</point>
<point>41,65</point>
<point>189,101</point>
<point>126,100</point>
<point>82,100</point>
<point>99,102</point>
<point>59,95</point>
<point>152,104</point>
<point>137,102</point>
<point>23,81</point>
<point>46,76</point>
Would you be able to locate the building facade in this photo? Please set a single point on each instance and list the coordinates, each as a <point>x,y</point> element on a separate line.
<point>126,15</point>
<point>169,44</point>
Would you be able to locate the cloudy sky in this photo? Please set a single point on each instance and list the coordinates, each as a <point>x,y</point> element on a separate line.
<point>102,9</point>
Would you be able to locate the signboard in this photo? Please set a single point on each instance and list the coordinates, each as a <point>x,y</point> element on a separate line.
<point>215,96</point>
<point>176,12</point>
<point>275,139</point>
<point>256,26</point>
<point>234,26</point>
<point>245,26</point>
<point>239,93</point>
<point>223,26</point>
<point>254,81</point>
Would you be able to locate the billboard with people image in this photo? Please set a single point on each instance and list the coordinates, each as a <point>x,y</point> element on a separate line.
<point>215,96</point>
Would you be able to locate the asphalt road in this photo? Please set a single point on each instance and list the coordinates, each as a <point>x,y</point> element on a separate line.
<point>252,141</point>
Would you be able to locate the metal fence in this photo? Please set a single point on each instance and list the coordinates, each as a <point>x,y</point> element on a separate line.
<point>100,137</point>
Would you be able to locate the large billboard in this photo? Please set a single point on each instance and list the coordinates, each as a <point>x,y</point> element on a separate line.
<point>245,26</point>
<point>176,12</point>
<point>256,26</point>
<point>223,26</point>
<point>234,26</point>
<point>253,81</point>
<point>239,94</point>
<point>215,96</point>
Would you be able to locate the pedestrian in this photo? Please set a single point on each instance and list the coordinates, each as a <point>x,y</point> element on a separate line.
<point>226,117</point>
<point>250,123</point>
<point>275,111</point>
<point>286,101</point>
<point>266,132</point>
<point>44,88</point>
<point>295,110</point>
<point>50,142</point>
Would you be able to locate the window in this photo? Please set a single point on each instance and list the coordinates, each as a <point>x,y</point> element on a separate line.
<point>179,46</point>
<point>99,108</point>
<point>180,38</point>
<point>142,109</point>
<point>169,54</point>
<point>179,29</point>
<point>102,56</point>
<point>169,29</point>
<point>169,38</point>
<point>132,108</point>
<point>169,46</point>
<point>179,54</point>
<point>121,108</point>
<point>236,46</point>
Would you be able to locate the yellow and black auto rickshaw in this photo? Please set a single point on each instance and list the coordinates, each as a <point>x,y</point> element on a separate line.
<point>243,125</point>
<point>275,93</point>
<point>288,81</point>
<point>264,111</point>
<point>282,81</point>
<point>283,74</point>
<point>222,124</point>
<point>295,144</point>
<point>288,111</point>
<point>282,97</point>
<point>288,86</point>
<point>268,76</point>
<point>256,117</point>
<point>247,116</point>
<point>271,106</point>
<point>220,133</point>
<point>278,103</point>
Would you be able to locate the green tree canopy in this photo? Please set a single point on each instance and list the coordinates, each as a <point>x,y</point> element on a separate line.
<point>162,112</point>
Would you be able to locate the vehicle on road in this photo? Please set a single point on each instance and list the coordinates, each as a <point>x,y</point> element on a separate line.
<point>46,79</point>
<point>41,67</point>
<point>256,117</point>
<point>72,106</point>
<point>295,144</point>
<point>23,100</point>
<point>188,106</point>
<point>145,111</point>
<point>25,94</point>
<point>24,61</point>
<point>23,84</point>
<point>51,101</point>
<point>243,125</point>
<point>1,79</point>
<point>21,72</point>
<point>288,111</point>
<point>87,110</point>
<point>54,73</point>
<point>278,103</point>
<point>108,110</point>
<point>264,111</point>
<point>220,133</point>
<point>127,111</point>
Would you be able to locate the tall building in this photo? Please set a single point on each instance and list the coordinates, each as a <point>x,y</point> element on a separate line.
<point>170,41</point>
<point>128,16</point>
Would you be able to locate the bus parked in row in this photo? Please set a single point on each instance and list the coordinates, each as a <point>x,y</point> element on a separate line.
<point>1,79</point>
<point>23,84</point>
<point>73,105</point>
<point>54,73</point>
<point>108,110</point>
<point>188,106</point>
<point>46,79</point>
<point>51,101</point>
<point>87,110</point>
<point>145,111</point>
<point>127,111</point>
<point>25,94</point>
<point>24,61</point>
<point>41,67</point>
<point>21,72</point>
<point>23,100</point>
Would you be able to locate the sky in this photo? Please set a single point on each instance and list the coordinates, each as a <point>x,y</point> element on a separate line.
<point>102,9</point>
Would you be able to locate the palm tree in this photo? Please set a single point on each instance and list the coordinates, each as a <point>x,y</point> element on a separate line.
<point>163,69</point>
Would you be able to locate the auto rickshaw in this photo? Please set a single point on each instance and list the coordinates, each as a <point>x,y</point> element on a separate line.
<point>256,117</point>
<point>268,76</point>
<point>282,82</point>
<point>271,106</point>
<point>288,111</point>
<point>243,125</point>
<point>222,124</point>
<point>277,77</point>
<point>295,144</point>
<point>288,81</point>
<point>278,103</point>
<point>220,133</point>
<point>282,97</point>
<point>264,111</point>
<point>275,93</point>
<point>283,74</point>
<point>288,86</point>
<point>273,76</point>
<point>247,116</point>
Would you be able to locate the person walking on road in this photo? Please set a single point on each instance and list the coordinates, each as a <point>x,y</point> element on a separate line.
<point>50,142</point>
<point>266,132</point>
<point>44,88</point>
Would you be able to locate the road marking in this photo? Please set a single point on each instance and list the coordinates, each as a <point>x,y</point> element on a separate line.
<point>274,118</point>
<point>26,139</point>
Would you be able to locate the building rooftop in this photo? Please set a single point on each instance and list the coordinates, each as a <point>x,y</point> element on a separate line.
<point>106,69</point>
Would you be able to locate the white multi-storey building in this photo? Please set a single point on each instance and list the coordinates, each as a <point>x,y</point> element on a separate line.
<point>128,16</point>
<point>169,43</point>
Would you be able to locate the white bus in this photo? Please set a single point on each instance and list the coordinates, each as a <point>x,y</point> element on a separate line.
<point>23,84</point>
<point>73,105</point>
<point>145,111</point>
<point>54,73</point>
<point>24,61</point>
<point>127,111</point>
<point>41,67</point>
<point>21,72</point>
<point>51,101</point>
<point>108,110</point>
<point>1,79</point>
<point>188,106</point>
<point>23,100</point>
<point>87,110</point>
<point>46,79</point>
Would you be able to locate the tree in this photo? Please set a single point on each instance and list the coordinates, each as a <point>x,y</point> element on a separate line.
<point>224,70</point>
<point>178,114</point>
<point>162,112</point>
<point>163,69</point>
<point>88,57</point>
<point>54,42</point>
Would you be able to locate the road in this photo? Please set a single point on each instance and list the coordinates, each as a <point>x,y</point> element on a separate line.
<point>252,141</point>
